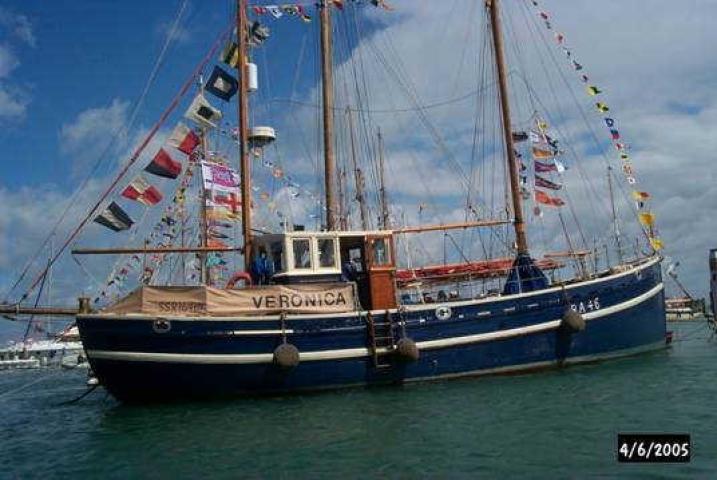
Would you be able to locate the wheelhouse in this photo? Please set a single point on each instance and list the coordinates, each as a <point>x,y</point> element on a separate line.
<point>366,258</point>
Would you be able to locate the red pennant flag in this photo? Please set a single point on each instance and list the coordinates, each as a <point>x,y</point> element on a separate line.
<point>183,139</point>
<point>141,191</point>
<point>545,199</point>
<point>164,166</point>
<point>545,167</point>
<point>212,243</point>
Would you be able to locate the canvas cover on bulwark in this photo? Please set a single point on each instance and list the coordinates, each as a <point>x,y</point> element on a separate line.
<point>216,302</point>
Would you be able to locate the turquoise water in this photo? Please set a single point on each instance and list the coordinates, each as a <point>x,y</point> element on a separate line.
<point>555,424</point>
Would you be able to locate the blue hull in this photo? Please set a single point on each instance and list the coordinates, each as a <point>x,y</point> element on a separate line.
<point>210,357</point>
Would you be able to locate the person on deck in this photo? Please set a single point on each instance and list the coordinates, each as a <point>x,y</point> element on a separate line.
<point>262,269</point>
<point>348,271</point>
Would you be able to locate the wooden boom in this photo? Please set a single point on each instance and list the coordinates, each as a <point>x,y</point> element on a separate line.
<point>120,251</point>
<point>576,253</point>
<point>452,226</point>
<point>54,311</point>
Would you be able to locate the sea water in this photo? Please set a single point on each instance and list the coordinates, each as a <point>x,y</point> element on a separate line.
<point>556,424</point>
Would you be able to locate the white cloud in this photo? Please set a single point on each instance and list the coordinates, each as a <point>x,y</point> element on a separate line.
<point>17,25</point>
<point>174,33</point>
<point>89,134</point>
<point>13,104</point>
<point>13,98</point>
<point>8,61</point>
<point>93,124</point>
<point>27,215</point>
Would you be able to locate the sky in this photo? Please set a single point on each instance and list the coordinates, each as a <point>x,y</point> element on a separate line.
<point>71,74</point>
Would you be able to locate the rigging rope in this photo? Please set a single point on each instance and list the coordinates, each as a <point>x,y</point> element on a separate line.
<point>37,302</point>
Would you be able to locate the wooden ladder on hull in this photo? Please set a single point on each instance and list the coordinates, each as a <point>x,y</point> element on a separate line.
<point>380,336</point>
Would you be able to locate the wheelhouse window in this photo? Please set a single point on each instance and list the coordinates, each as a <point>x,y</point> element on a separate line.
<point>302,253</point>
<point>380,252</point>
<point>327,253</point>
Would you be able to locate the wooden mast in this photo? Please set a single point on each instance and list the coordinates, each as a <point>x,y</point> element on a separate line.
<point>519,225</point>
<point>243,113</point>
<point>382,183</point>
<point>327,85</point>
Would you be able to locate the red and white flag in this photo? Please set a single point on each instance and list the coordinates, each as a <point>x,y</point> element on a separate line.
<point>140,190</point>
<point>183,139</point>
<point>545,199</point>
<point>226,199</point>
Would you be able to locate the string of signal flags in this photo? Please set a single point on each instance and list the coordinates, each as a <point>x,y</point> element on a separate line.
<point>645,216</point>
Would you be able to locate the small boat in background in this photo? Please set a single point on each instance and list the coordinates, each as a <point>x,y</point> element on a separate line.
<point>681,309</point>
<point>685,307</point>
<point>64,349</point>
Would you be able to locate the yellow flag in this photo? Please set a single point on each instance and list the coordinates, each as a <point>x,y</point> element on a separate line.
<point>220,213</point>
<point>656,243</point>
<point>539,153</point>
<point>602,107</point>
<point>647,219</point>
<point>230,54</point>
<point>640,196</point>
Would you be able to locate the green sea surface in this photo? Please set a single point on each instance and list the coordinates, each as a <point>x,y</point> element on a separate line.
<point>555,424</point>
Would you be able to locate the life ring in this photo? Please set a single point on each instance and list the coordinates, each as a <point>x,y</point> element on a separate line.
<point>236,277</point>
<point>443,312</point>
<point>161,326</point>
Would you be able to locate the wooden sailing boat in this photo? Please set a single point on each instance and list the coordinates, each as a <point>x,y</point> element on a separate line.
<point>331,311</point>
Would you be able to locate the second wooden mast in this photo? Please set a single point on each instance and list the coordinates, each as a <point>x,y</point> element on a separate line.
<point>243,113</point>
<point>327,89</point>
<point>518,222</point>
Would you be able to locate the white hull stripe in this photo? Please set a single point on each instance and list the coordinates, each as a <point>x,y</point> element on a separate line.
<point>209,358</point>
<point>242,333</point>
